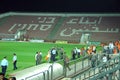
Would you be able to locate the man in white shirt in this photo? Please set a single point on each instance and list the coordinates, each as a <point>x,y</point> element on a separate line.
<point>78,52</point>
<point>36,57</point>
<point>111,47</point>
<point>4,64</point>
<point>14,61</point>
<point>53,54</point>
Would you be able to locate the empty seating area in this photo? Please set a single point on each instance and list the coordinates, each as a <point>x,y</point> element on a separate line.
<point>70,28</point>
<point>104,37</point>
<point>110,22</point>
<point>100,28</point>
<point>73,27</point>
<point>36,26</point>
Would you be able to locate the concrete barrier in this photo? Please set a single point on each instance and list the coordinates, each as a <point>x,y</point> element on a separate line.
<point>40,72</point>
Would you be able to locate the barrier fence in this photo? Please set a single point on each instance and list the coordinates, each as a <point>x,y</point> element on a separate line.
<point>105,71</point>
<point>76,65</point>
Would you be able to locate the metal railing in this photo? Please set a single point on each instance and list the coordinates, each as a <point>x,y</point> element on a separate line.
<point>45,76</point>
<point>77,66</point>
<point>100,71</point>
<point>7,37</point>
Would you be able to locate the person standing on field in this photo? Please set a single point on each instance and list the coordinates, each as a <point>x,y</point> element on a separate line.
<point>36,57</point>
<point>39,58</point>
<point>48,57</point>
<point>4,65</point>
<point>14,61</point>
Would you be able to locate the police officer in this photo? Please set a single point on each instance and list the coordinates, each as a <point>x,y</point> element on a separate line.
<point>4,65</point>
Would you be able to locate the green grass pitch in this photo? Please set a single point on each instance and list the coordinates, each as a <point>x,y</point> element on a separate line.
<point>26,51</point>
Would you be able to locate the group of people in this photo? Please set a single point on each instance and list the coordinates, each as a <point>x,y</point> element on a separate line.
<point>107,50</point>
<point>97,59</point>
<point>59,51</point>
<point>77,52</point>
<point>111,47</point>
<point>53,53</point>
<point>4,64</point>
<point>50,57</point>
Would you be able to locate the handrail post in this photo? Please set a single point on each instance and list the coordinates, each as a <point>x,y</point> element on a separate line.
<point>89,75</point>
<point>75,66</point>
<point>79,77</point>
<point>48,75</point>
<point>43,75</point>
<point>51,72</point>
<point>82,64</point>
<point>110,76</point>
<point>65,71</point>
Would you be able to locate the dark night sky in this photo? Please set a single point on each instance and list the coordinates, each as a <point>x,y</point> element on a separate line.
<point>60,5</point>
